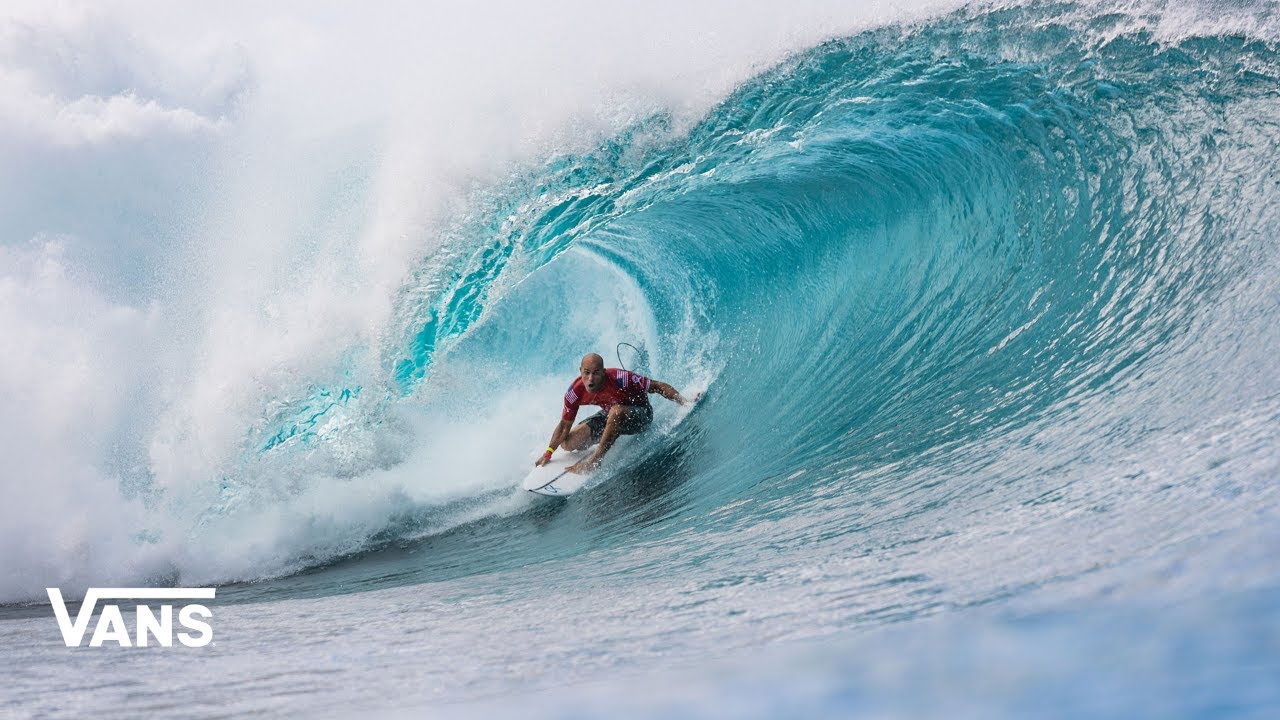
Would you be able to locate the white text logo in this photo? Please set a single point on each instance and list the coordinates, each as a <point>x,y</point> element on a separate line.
<point>111,626</point>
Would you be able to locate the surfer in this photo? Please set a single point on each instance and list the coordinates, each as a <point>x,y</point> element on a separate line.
<point>623,397</point>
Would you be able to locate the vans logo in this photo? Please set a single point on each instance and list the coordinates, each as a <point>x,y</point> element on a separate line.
<point>149,626</point>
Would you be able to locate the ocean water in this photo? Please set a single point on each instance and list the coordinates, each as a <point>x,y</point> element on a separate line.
<point>982,299</point>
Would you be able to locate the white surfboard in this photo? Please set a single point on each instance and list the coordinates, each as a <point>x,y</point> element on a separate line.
<point>552,479</point>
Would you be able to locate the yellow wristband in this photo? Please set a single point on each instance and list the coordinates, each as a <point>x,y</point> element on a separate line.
<point>550,450</point>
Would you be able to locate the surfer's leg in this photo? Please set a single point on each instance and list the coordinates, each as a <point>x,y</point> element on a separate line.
<point>635,420</point>
<point>576,438</point>
<point>624,419</point>
<point>585,433</point>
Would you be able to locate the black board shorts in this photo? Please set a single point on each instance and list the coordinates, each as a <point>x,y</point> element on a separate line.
<point>632,423</point>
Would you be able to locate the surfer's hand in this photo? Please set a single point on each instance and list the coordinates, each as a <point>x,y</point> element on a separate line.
<point>581,468</point>
<point>542,460</point>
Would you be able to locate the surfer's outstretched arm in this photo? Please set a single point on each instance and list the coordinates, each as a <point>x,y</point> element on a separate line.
<point>668,392</point>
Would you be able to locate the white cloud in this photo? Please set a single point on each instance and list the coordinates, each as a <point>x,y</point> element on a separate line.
<point>93,119</point>
<point>70,76</point>
<point>27,115</point>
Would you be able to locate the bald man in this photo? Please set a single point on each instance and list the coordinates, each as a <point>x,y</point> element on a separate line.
<point>623,397</point>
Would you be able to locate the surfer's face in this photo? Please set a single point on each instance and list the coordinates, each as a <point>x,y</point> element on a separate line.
<point>592,377</point>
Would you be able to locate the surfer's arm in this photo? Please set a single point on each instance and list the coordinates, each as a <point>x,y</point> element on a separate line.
<point>668,392</point>
<point>557,436</point>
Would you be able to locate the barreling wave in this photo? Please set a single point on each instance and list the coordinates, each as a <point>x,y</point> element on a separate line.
<point>1007,257</point>
<point>905,250</point>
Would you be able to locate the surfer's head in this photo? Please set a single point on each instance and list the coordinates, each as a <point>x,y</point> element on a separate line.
<point>592,372</point>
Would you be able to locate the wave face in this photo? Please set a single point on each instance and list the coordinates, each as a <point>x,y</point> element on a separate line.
<point>984,307</point>
<point>1004,272</point>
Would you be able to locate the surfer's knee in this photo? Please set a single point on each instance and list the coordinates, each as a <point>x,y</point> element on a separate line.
<point>617,414</point>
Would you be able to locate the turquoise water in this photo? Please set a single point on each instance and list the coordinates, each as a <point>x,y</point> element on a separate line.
<point>936,271</point>
<point>984,307</point>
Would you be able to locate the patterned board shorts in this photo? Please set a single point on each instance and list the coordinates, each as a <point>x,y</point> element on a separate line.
<point>632,422</point>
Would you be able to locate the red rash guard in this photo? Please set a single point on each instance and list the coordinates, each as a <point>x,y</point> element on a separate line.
<point>621,387</point>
